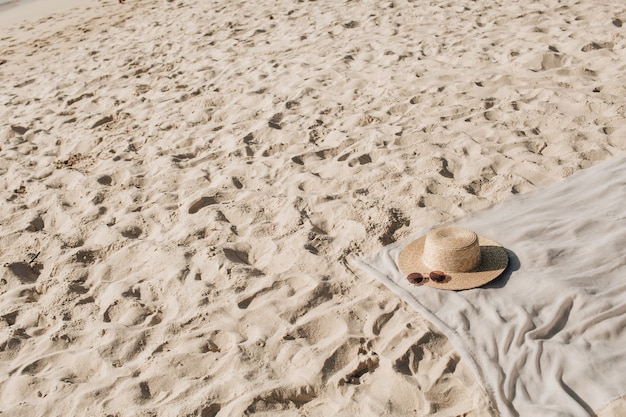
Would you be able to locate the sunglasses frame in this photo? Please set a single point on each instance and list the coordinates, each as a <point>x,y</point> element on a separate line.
<point>419,279</point>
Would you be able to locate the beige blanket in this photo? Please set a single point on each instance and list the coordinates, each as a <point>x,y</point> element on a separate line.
<point>547,338</point>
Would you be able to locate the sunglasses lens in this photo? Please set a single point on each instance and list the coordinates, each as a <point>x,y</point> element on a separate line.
<point>416,278</point>
<point>438,276</point>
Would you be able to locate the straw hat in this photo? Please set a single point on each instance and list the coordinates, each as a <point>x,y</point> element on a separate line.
<point>466,259</point>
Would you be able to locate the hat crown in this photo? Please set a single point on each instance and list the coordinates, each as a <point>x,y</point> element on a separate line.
<point>451,249</point>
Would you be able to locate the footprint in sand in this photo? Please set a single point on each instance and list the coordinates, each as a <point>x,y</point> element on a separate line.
<point>128,313</point>
<point>595,46</point>
<point>321,329</point>
<point>274,122</point>
<point>285,398</point>
<point>548,61</point>
<point>20,130</point>
<point>102,121</point>
<point>105,180</point>
<point>35,224</point>
<point>132,232</point>
<point>85,256</point>
<point>361,160</point>
<point>26,272</point>
<point>201,203</point>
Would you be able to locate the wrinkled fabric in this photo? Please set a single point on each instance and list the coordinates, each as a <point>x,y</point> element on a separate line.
<point>548,337</point>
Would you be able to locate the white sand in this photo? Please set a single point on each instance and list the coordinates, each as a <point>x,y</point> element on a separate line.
<point>184,182</point>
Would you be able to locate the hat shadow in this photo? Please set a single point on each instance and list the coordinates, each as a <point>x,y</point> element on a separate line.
<point>513,265</point>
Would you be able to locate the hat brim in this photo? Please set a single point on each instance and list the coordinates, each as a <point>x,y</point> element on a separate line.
<point>493,262</point>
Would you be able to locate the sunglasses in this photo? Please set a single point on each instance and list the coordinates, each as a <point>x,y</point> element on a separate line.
<point>418,279</point>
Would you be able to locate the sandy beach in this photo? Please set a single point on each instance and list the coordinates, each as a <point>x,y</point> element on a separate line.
<point>186,183</point>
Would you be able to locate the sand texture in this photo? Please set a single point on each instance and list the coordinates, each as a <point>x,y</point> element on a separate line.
<point>185,183</point>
